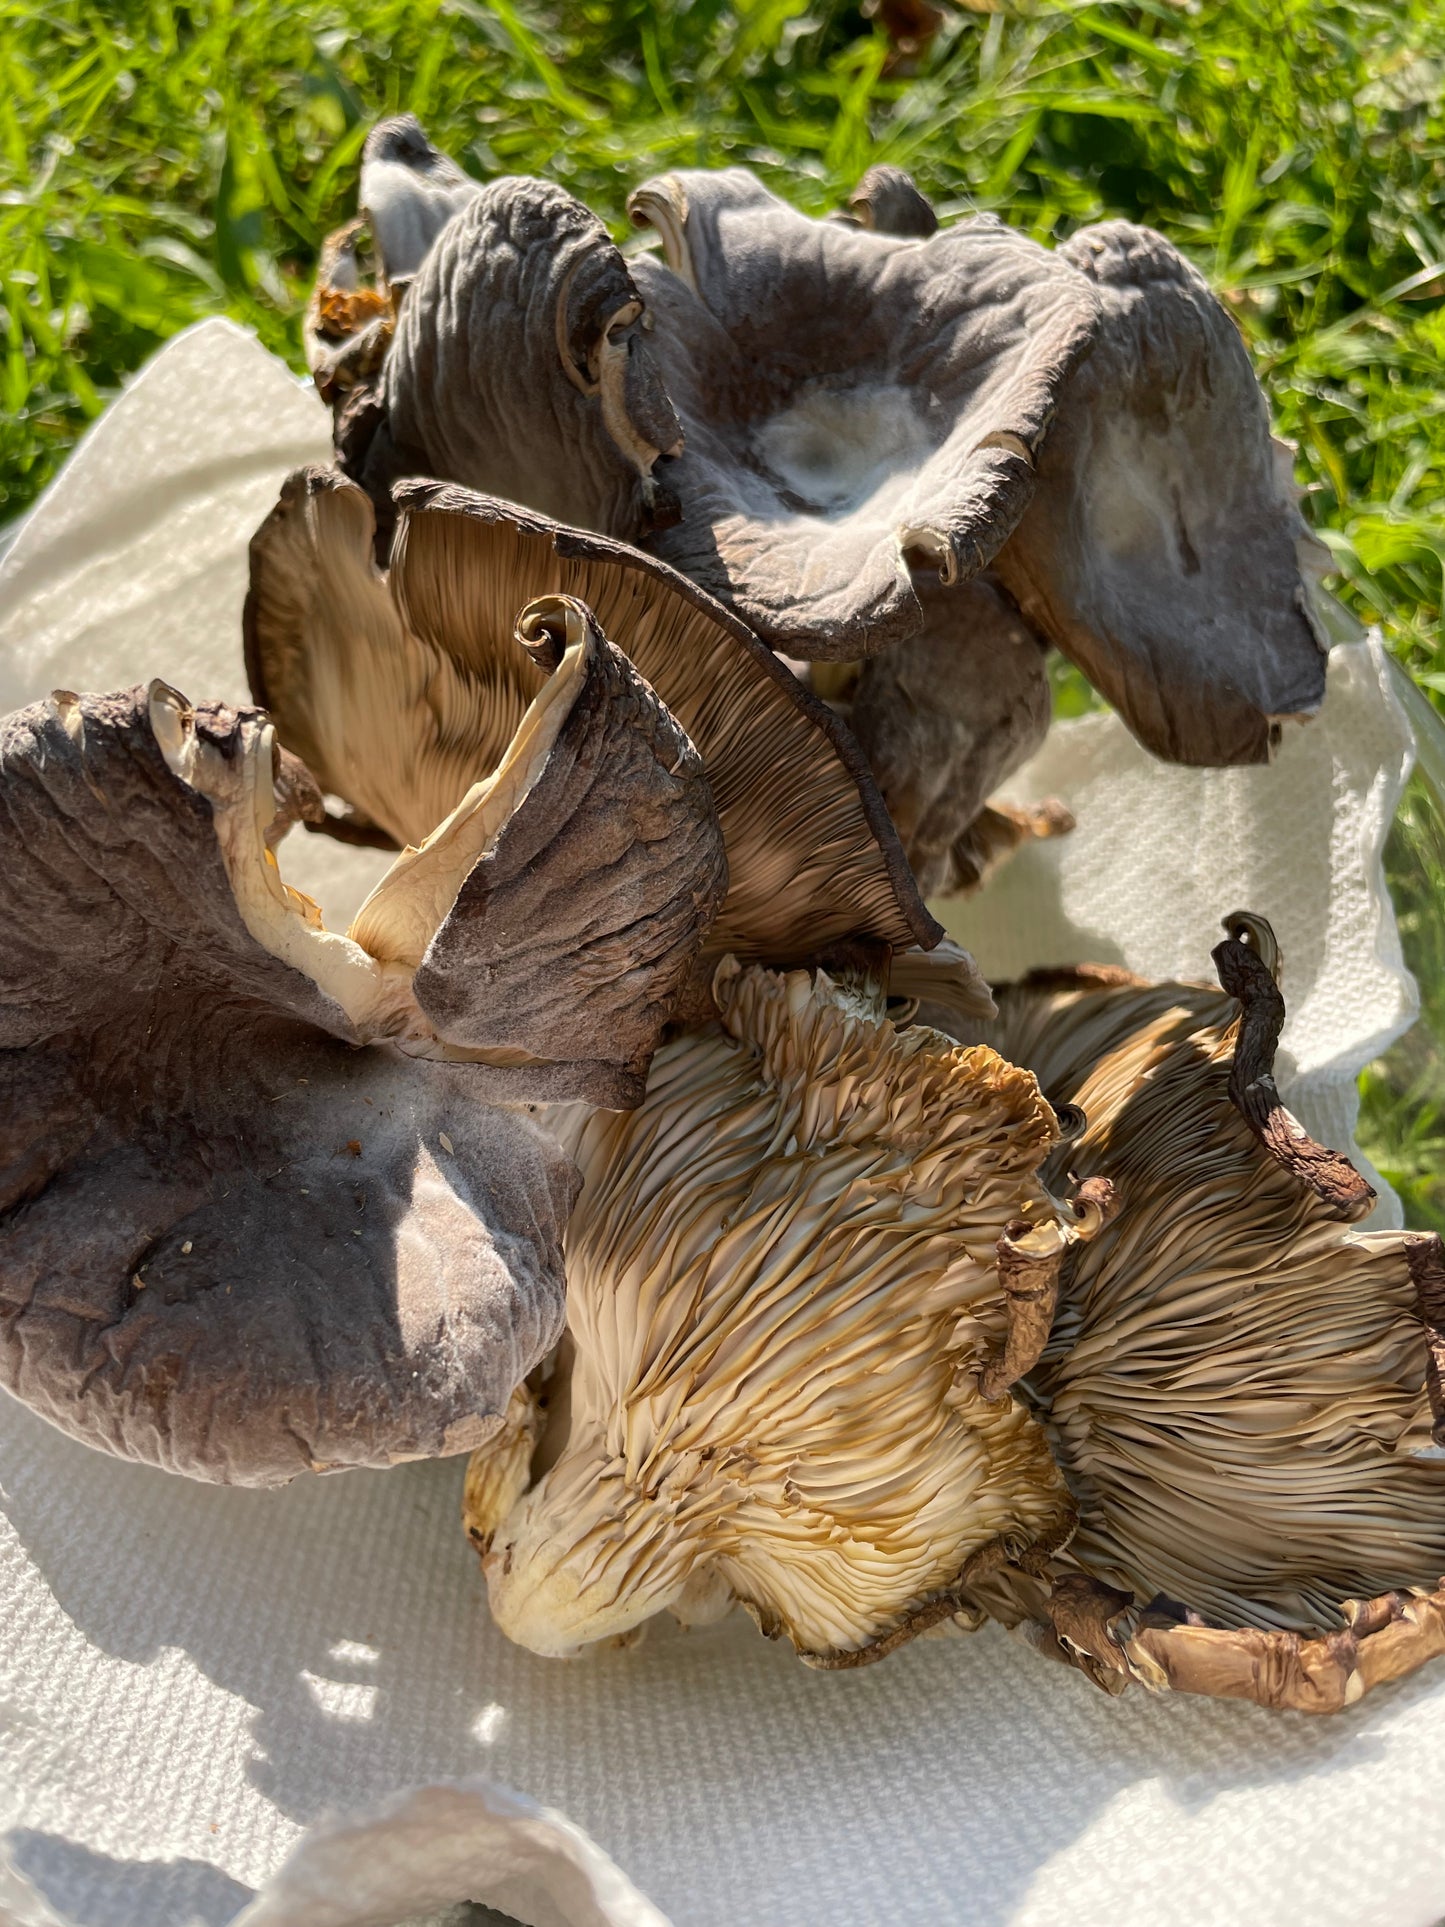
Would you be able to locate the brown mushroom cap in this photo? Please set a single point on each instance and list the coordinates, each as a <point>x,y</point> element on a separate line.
<point>234,1245</point>
<point>1236,1385</point>
<point>519,366</point>
<point>852,401</point>
<point>399,692</point>
<point>1160,550</point>
<point>783,1286</point>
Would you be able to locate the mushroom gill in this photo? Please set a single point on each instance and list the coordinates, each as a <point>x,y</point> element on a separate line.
<point>784,1287</point>
<point>1239,1386</point>
<point>399,691</point>
<point>548,921</point>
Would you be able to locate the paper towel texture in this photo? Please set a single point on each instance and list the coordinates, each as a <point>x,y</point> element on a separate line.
<point>191,1676</point>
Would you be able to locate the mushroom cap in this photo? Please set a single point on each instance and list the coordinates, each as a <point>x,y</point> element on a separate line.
<point>519,365</point>
<point>888,201</point>
<point>582,877</point>
<point>1237,1384</point>
<point>234,1244</point>
<point>1161,548</point>
<point>853,401</point>
<point>400,691</point>
<point>557,888</point>
<point>783,1282</point>
<point>865,398</point>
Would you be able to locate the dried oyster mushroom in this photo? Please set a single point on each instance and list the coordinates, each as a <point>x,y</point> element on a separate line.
<point>1160,550</point>
<point>783,1289</point>
<point>853,402</point>
<point>1161,547</point>
<point>1237,1385</point>
<point>865,401</point>
<point>582,875</point>
<point>234,1244</point>
<point>410,190</point>
<point>400,691</point>
<point>549,921</point>
<point>519,365</point>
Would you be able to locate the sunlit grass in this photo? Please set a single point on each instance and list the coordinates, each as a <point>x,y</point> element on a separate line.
<point>159,163</point>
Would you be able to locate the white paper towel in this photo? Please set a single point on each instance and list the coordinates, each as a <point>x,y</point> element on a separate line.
<point>189,1676</point>
<point>1161,855</point>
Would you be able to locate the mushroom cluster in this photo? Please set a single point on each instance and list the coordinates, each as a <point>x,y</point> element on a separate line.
<point>676,617</point>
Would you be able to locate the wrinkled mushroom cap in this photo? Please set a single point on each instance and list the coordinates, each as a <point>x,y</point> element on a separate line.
<point>519,366</point>
<point>783,1285</point>
<point>852,401</point>
<point>1162,549</point>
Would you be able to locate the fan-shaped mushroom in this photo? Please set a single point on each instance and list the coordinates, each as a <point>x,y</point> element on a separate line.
<point>783,1290</point>
<point>234,1244</point>
<point>1161,552</point>
<point>1237,1385</point>
<point>400,691</point>
<point>852,401</point>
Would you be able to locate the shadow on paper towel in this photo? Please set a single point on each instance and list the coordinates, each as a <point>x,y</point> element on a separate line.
<point>89,1889</point>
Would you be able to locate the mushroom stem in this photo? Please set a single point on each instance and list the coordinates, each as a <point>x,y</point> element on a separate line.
<point>1029,1257</point>
<point>1244,969</point>
<point>1081,1610</point>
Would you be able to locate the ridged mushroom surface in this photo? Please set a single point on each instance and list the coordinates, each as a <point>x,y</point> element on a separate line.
<point>1239,1386</point>
<point>783,1290</point>
<point>402,689</point>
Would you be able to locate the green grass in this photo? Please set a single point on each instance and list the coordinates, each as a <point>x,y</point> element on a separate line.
<point>159,163</point>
